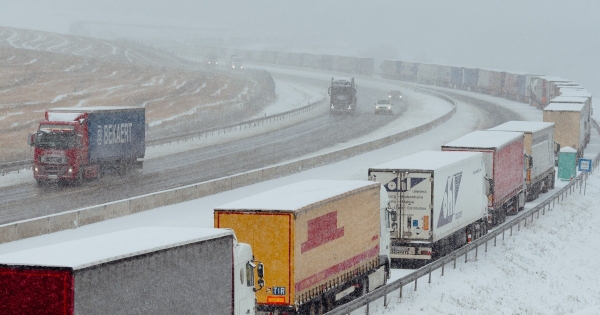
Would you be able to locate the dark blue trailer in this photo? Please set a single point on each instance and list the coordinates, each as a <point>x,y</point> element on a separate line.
<point>470,79</point>
<point>456,77</point>
<point>77,143</point>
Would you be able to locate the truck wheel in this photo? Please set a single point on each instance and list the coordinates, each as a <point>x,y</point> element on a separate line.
<point>329,303</point>
<point>544,187</point>
<point>40,183</point>
<point>316,308</point>
<point>79,179</point>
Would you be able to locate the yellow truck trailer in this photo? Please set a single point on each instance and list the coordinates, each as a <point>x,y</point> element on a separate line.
<point>322,242</point>
<point>569,125</point>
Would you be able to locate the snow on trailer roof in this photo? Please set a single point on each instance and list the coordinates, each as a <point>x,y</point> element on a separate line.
<point>569,99</point>
<point>568,149</point>
<point>553,78</point>
<point>342,80</point>
<point>522,126</point>
<point>485,139</point>
<point>92,109</point>
<point>575,92</point>
<point>99,249</point>
<point>564,107</point>
<point>425,160</point>
<point>61,116</point>
<point>295,197</point>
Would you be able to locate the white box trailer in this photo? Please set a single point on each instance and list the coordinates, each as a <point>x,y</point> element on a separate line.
<point>146,270</point>
<point>439,200</point>
<point>539,146</point>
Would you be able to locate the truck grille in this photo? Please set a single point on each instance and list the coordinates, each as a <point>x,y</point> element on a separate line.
<point>54,169</point>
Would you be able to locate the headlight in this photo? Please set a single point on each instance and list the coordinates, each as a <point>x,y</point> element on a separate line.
<point>70,170</point>
<point>35,169</point>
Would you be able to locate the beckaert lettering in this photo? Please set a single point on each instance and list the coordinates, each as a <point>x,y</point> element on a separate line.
<point>117,133</point>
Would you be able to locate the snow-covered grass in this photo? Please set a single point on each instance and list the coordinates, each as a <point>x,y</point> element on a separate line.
<point>38,75</point>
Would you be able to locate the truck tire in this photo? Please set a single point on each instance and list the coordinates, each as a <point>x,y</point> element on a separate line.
<point>316,308</point>
<point>79,179</point>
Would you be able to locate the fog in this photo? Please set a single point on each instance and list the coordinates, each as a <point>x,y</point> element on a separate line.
<point>537,36</point>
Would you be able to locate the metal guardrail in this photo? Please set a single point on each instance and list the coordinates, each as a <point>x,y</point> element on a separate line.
<point>234,127</point>
<point>522,219</point>
<point>18,165</point>
<point>507,228</point>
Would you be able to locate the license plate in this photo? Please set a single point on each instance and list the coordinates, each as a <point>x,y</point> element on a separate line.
<point>279,290</point>
<point>52,176</point>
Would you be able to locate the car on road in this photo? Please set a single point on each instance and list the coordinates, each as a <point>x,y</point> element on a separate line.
<point>395,96</point>
<point>383,106</point>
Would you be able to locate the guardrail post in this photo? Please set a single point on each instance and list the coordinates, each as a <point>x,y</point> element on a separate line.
<point>476,250</point>
<point>443,265</point>
<point>495,240</point>
<point>401,287</point>
<point>503,234</point>
<point>385,296</point>
<point>429,275</point>
<point>454,261</point>
<point>486,246</point>
<point>511,230</point>
<point>416,283</point>
<point>466,255</point>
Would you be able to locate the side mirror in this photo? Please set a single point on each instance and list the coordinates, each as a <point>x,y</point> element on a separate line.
<point>490,185</point>
<point>31,139</point>
<point>530,161</point>
<point>260,270</point>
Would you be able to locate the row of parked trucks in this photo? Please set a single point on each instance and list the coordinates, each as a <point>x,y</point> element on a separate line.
<point>298,249</point>
<point>440,200</point>
<point>317,243</point>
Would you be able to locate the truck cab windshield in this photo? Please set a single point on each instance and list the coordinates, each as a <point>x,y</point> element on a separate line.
<point>56,140</point>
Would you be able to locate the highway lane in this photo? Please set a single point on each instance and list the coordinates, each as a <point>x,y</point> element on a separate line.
<point>26,201</point>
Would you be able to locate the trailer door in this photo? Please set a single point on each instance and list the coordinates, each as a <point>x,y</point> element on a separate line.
<point>410,195</point>
<point>415,194</point>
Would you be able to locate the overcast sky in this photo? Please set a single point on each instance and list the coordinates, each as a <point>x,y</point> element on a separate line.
<point>535,36</point>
